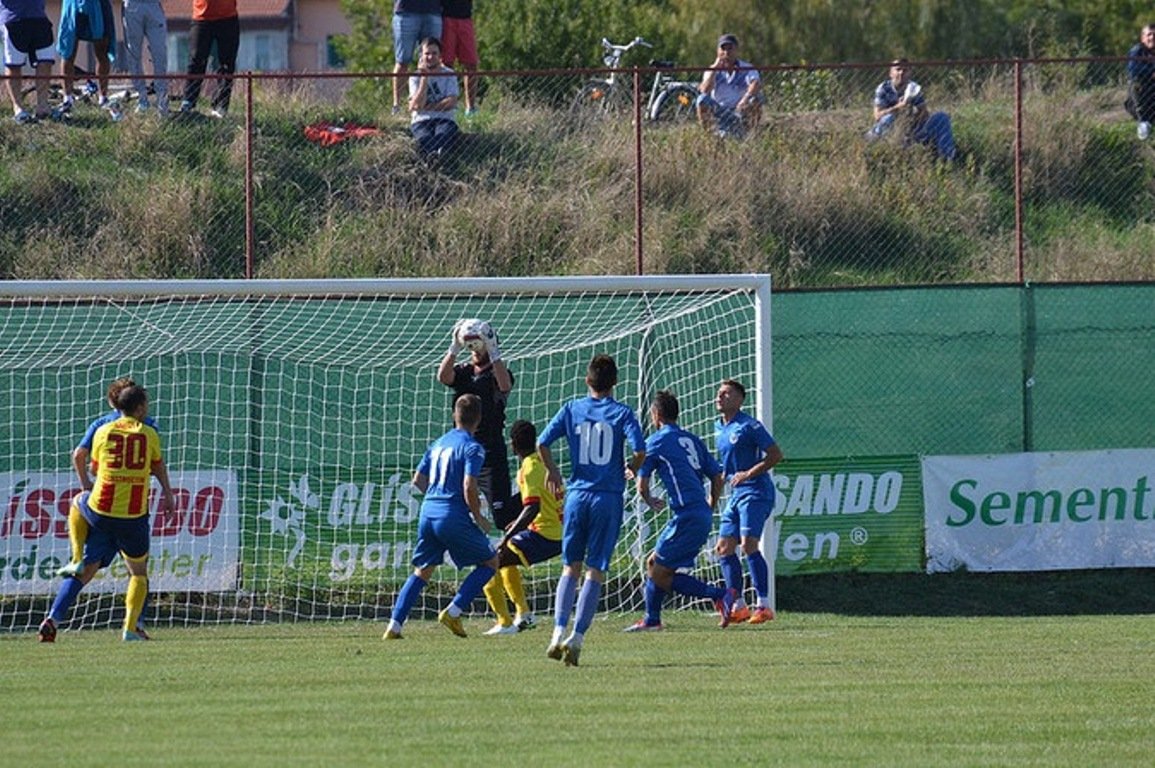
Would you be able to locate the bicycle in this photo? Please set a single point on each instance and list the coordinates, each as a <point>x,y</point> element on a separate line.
<point>670,100</point>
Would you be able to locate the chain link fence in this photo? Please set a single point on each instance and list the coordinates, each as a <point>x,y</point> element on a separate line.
<point>596,172</point>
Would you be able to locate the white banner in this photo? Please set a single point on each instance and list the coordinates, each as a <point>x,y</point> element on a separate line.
<point>1040,511</point>
<point>195,548</point>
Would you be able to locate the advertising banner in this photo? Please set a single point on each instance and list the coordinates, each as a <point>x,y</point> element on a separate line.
<point>195,548</point>
<point>1040,511</point>
<point>861,514</point>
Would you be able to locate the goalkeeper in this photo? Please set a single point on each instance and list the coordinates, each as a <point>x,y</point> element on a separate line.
<point>484,374</point>
<point>534,537</point>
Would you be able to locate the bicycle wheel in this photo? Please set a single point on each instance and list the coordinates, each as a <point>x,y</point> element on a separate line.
<point>675,105</point>
<point>595,101</point>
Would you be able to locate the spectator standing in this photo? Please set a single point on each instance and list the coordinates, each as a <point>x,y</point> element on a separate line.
<point>214,23</point>
<point>433,103</point>
<point>413,21</point>
<point>92,21</point>
<point>731,92</point>
<point>26,35</point>
<point>899,101</point>
<point>1141,69</point>
<point>145,20</point>
<point>459,43</point>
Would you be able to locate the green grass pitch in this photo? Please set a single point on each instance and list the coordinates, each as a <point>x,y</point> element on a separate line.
<point>805,690</point>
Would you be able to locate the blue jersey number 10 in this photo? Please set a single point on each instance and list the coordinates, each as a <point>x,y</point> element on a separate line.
<point>595,443</point>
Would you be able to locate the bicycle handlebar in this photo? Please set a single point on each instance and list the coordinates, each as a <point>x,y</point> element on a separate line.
<point>620,49</point>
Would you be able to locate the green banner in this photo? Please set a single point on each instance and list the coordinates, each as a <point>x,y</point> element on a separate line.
<point>851,514</point>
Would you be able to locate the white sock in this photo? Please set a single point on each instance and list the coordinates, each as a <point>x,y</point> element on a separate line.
<point>453,610</point>
<point>555,639</point>
<point>393,626</point>
<point>763,602</point>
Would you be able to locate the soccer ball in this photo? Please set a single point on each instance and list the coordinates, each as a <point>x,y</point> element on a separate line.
<point>473,333</point>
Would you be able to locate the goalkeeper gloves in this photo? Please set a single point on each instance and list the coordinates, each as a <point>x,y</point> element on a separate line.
<point>455,345</point>
<point>491,344</point>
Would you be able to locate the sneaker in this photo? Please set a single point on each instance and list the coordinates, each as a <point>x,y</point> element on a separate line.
<point>391,635</point>
<point>218,114</point>
<point>723,605</point>
<point>571,654</point>
<point>555,652</point>
<point>131,637</point>
<point>141,634</point>
<point>24,117</point>
<point>501,629</point>
<point>641,626</point>
<point>1144,130</point>
<point>738,615</point>
<point>452,623</point>
<point>526,622</point>
<point>113,109</point>
<point>47,631</point>
<point>71,569</point>
<point>762,615</point>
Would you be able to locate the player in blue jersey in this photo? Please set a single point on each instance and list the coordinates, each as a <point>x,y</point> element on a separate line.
<point>748,452</point>
<point>595,428</point>
<point>682,461</point>
<point>451,520</point>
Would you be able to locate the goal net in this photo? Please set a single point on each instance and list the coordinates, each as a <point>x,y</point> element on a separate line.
<point>293,413</point>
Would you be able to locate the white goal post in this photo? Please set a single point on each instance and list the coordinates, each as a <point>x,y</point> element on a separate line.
<point>293,412</point>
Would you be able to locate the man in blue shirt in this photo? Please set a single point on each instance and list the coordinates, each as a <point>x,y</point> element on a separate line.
<point>731,93</point>
<point>747,452</point>
<point>682,461</point>
<point>451,520</point>
<point>899,99</point>
<point>595,428</point>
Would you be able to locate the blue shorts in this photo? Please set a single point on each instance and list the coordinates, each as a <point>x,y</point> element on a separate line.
<point>531,547</point>
<point>456,534</point>
<point>745,516</point>
<point>592,523</point>
<point>109,535</point>
<point>409,29</point>
<point>681,541</point>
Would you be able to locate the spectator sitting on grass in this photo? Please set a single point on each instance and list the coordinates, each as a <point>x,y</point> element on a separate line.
<point>898,101</point>
<point>432,101</point>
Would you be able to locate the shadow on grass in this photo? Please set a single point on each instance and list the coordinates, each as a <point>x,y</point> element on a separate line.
<point>1051,593</point>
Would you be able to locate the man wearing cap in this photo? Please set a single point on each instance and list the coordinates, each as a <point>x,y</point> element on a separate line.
<point>731,92</point>
<point>900,99</point>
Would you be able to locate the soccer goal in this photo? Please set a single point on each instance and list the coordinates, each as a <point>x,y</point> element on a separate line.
<point>294,412</point>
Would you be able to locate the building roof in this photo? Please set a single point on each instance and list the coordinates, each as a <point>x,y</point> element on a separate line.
<point>181,10</point>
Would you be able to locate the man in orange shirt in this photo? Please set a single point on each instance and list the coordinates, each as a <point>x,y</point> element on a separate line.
<point>214,22</point>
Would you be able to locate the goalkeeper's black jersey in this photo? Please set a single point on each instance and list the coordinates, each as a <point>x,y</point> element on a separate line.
<point>491,432</point>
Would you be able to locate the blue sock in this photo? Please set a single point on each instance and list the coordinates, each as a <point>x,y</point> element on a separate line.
<point>563,605</point>
<point>654,597</point>
<point>685,584</point>
<point>472,586</point>
<point>587,605</point>
<point>407,598</point>
<point>65,597</point>
<point>759,574</point>
<point>732,573</point>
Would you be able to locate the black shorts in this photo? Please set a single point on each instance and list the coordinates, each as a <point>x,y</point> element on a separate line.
<point>30,35</point>
<point>84,25</point>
